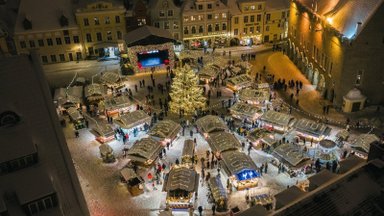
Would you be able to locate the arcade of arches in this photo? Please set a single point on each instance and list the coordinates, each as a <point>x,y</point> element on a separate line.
<point>310,71</point>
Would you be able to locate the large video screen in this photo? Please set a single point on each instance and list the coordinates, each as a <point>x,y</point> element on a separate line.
<point>152,58</point>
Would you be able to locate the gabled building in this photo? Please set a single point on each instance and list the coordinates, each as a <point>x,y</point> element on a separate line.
<point>137,14</point>
<point>49,27</point>
<point>166,15</point>
<point>338,45</point>
<point>102,26</point>
<point>205,23</point>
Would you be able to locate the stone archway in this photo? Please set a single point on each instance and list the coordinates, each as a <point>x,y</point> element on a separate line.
<point>316,78</point>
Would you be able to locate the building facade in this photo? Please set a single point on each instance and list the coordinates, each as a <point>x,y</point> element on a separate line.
<point>102,26</point>
<point>137,14</point>
<point>166,15</point>
<point>259,21</point>
<point>205,23</point>
<point>338,45</point>
<point>50,28</point>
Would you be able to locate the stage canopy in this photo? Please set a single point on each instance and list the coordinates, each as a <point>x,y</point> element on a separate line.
<point>148,35</point>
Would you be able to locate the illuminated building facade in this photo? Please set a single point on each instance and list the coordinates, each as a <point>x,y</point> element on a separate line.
<point>137,14</point>
<point>50,27</point>
<point>338,45</point>
<point>102,26</point>
<point>254,22</point>
<point>205,23</point>
<point>166,15</point>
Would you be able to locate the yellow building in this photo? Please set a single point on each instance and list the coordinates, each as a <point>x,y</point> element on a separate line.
<point>102,26</point>
<point>258,21</point>
<point>49,27</point>
<point>205,23</point>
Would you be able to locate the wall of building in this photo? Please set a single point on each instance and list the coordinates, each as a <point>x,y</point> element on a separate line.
<point>364,59</point>
<point>166,15</point>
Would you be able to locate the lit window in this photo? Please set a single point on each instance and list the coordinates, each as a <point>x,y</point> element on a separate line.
<point>109,35</point>
<point>96,20</point>
<point>253,7</point>
<point>166,25</point>
<point>175,25</point>
<point>107,20</point>
<point>224,15</point>
<point>161,13</point>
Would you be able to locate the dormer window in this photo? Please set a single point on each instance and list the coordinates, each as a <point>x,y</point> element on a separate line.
<point>63,21</point>
<point>27,24</point>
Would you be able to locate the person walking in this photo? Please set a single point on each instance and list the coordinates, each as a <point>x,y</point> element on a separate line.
<point>213,209</point>
<point>200,209</point>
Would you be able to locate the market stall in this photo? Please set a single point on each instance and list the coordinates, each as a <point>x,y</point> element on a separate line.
<point>76,118</point>
<point>106,153</point>
<point>342,136</point>
<point>113,106</point>
<point>188,153</point>
<point>94,93</point>
<point>239,82</point>
<point>310,129</point>
<point>207,74</point>
<point>362,143</point>
<point>104,132</point>
<point>165,131</point>
<point>209,124</point>
<point>134,182</point>
<point>294,159</point>
<point>327,151</point>
<point>219,194</point>
<point>245,65</point>
<point>144,152</point>
<point>112,80</point>
<point>277,121</point>
<point>240,168</point>
<point>222,141</point>
<point>135,119</point>
<point>68,97</point>
<point>263,139</point>
<point>181,185</point>
<point>254,96</point>
<point>245,112</point>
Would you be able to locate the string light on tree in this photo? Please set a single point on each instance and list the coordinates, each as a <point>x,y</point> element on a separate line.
<point>186,95</point>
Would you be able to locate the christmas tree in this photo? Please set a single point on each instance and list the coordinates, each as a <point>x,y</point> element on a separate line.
<point>186,95</point>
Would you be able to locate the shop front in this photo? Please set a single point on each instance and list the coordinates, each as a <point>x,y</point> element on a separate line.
<point>115,106</point>
<point>245,112</point>
<point>136,119</point>
<point>239,82</point>
<point>134,182</point>
<point>277,121</point>
<point>104,132</point>
<point>311,130</point>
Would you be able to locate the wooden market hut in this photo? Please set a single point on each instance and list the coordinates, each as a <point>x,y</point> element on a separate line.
<point>254,96</point>
<point>209,124</point>
<point>311,129</point>
<point>238,82</point>
<point>134,182</point>
<point>103,132</point>
<point>165,131</point>
<point>219,194</point>
<point>244,111</point>
<point>277,121</point>
<point>240,168</point>
<point>94,93</point>
<point>144,152</point>
<point>188,152</point>
<point>114,106</point>
<point>222,141</point>
<point>76,117</point>
<point>106,153</point>
<point>181,185</point>
<point>362,144</point>
<point>133,119</point>
<point>292,157</point>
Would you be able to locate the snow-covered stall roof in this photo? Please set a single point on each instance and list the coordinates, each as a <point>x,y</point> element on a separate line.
<point>251,94</point>
<point>16,143</point>
<point>132,119</point>
<point>211,123</point>
<point>144,149</point>
<point>103,129</point>
<point>128,174</point>
<point>74,113</point>
<point>244,64</point>
<point>110,78</point>
<point>72,95</point>
<point>32,184</point>
<point>257,134</point>
<point>241,81</point>
<point>364,141</point>
<point>294,156</point>
<point>94,91</point>
<point>217,189</point>
<point>188,148</point>
<point>105,149</point>
<point>118,102</point>
<point>166,129</point>
<point>208,72</point>
<point>236,161</point>
<point>319,179</point>
<point>311,127</point>
<point>181,178</point>
<point>277,118</point>
<point>247,110</point>
<point>327,144</point>
<point>223,141</point>
<point>288,196</point>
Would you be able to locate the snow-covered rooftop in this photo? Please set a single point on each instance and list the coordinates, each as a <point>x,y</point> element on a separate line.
<point>132,119</point>
<point>166,129</point>
<point>291,154</point>
<point>182,178</point>
<point>144,149</point>
<point>364,141</point>
<point>223,141</point>
<point>311,127</point>
<point>236,161</point>
<point>245,109</point>
<point>211,123</point>
<point>277,118</point>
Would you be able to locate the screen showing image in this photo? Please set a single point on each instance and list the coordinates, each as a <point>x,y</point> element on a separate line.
<point>152,58</point>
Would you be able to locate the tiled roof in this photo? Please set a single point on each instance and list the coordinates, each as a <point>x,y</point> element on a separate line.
<point>345,14</point>
<point>44,14</point>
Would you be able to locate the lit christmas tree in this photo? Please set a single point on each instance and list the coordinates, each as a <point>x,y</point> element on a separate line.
<point>186,95</point>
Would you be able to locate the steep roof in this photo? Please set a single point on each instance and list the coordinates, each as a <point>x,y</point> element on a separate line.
<point>345,14</point>
<point>148,35</point>
<point>182,178</point>
<point>44,15</point>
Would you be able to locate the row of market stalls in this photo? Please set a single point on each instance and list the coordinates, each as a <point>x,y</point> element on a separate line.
<point>239,82</point>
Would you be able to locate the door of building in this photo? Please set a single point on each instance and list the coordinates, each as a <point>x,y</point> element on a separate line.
<point>70,57</point>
